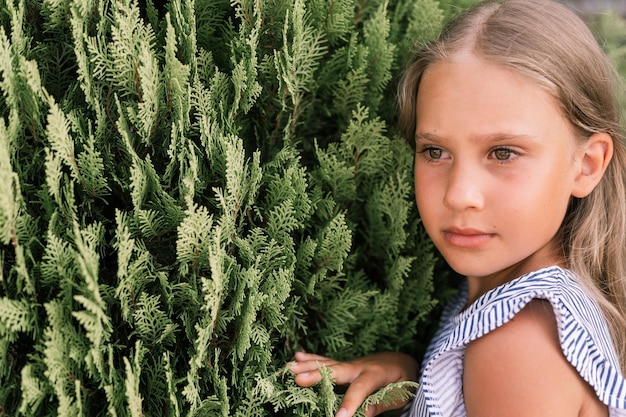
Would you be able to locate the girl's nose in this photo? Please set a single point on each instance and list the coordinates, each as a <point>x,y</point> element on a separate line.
<point>464,189</point>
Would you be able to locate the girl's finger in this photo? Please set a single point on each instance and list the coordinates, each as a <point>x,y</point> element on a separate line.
<point>340,372</point>
<point>304,356</point>
<point>307,379</point>
<point>308,366</point>
<point>356,393</point>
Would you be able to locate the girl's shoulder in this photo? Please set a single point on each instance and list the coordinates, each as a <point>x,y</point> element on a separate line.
<point>519,369</point>
<point>547,311</point>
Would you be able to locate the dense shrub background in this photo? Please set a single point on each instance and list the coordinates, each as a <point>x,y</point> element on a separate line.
<point>191,191</point>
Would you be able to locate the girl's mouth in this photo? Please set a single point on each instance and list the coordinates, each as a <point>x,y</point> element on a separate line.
<point>467,238</point>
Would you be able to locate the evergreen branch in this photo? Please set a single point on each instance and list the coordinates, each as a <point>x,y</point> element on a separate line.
<point>16,316</point>
<point>86,47</point>
<point>328,398</point>
<point>10,194</point>
<point>333,245</point>
<point>193,239</point>
<point>61,142</point>
<point>381,53</point>
<point>177,78</point>
<point>244,73</point>
<point>184,19</point>
<point>92,167</point>
<point>149,86</point>
<point>18,37</point>
<point>171,386</point>
<point>152,325</point>
<point>392,394</point>
<point>133,371</point>
<point>129,37</point>
<point>297,61</point>
<point>34,391</point>
<point>60,369</point>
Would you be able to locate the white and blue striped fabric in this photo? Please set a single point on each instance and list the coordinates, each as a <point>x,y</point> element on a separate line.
<point>583,334</point>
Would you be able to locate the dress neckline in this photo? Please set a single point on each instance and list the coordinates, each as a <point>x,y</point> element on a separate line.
<point>462,314</point>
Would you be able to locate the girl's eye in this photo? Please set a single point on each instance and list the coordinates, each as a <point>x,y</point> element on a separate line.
<point>432,153</point>
<point>503,154</point>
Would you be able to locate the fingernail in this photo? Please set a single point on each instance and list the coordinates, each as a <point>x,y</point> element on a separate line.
<point>342,413</point>
<point>290,364</point>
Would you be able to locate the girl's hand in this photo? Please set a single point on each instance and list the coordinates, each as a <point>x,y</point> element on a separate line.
<point>364,375</point>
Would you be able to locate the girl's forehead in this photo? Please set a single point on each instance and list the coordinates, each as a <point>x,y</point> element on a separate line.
<point>480,98</point>
<point>472,80</point>
<point>481,79</point>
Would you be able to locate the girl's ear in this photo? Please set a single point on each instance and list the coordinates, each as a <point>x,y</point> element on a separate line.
<point>597,153</point>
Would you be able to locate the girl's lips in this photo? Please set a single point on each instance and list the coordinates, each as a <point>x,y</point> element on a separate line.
<point>467,238</point>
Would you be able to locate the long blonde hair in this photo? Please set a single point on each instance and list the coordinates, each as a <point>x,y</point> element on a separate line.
<point>550,44</point>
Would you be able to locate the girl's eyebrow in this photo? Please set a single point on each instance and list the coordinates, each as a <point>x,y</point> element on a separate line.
<point>490,138</point>
<point>425,136</point>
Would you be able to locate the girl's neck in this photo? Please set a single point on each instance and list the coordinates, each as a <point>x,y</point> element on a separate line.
<point>477,286</point>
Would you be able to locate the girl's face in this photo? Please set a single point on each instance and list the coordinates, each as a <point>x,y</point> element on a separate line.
<point>495,167</point>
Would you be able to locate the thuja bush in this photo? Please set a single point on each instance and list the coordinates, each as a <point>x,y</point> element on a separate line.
<point>192,191</point>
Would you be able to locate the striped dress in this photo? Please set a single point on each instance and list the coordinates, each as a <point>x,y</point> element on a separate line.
<point>583,334</point>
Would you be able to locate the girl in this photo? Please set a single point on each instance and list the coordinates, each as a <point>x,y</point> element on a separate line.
<point>519,180</point>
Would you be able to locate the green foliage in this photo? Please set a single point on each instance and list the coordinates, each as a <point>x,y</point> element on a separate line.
<point>610,29</point>
<point>392,393</point>
<point>190,192</point>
